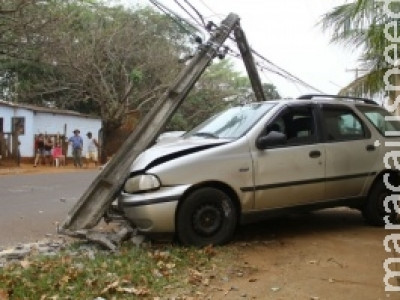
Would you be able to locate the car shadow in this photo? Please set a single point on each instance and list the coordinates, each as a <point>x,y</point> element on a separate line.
<point>324,221</point>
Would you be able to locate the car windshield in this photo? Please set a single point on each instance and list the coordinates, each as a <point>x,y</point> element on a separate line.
<point>381,119</point>
<point>231,123</point>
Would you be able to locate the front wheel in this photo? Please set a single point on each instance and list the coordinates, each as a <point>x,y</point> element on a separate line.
<point>206,217</point>
<point>374,210</point>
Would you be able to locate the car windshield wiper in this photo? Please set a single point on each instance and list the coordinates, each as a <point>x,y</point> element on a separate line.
<point>206,134</point>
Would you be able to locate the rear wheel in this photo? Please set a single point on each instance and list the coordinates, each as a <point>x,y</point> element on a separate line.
<point>374,210</point>
<point>206,217</point>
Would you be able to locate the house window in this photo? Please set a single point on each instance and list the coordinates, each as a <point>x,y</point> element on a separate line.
<point>1,125</point>
<point>18,124</point>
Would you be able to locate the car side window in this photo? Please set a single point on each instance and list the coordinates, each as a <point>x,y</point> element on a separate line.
<point>297,123</point>
<point>342,124</point>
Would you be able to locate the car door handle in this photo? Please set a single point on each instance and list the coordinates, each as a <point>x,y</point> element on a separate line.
<point>370,147</point>
<point>315,154</point>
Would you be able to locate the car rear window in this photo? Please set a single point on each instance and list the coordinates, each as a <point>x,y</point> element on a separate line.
<point>383,121</point>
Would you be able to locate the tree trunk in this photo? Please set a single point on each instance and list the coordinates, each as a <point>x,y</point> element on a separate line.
<point>114,134</point>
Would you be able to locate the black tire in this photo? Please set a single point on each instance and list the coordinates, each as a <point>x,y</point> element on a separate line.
<point>374,210</point>
<point>206,217</point>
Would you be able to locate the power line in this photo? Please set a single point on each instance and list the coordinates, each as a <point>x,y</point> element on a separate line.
<point>258,64</point>
<point>282,72</point>
<point>216,14</point>
<point>196,11</point>
<point>185,10</point>
<point>265,65</point>
<point>176,18</point>
<point>274,69</point>
<point>297,79</point>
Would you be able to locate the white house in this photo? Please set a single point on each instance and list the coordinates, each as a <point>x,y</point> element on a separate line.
<point>32,120</point>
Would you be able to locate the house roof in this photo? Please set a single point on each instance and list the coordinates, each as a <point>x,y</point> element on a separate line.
<point>48,110</point>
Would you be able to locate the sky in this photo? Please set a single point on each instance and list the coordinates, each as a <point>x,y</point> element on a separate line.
<point>287,33</point>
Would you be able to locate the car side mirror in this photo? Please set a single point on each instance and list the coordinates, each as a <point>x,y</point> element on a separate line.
<point>273,138</point>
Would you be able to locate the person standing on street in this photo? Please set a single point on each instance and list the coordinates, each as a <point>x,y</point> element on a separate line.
<point>48,146</point>
<point>77,144</point>
<point>39,148</point>
<point>91,153</point>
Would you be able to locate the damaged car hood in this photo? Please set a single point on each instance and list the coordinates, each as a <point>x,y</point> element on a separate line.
<point>167,151</point>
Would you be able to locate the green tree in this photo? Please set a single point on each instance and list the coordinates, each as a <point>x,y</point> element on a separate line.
<point>106,61</point>
<point>361,24</point>
<point>219,87</point>
<point>23,26</point>
<point>86,56</point>
<point>93,58</point>
<point>270,91</point>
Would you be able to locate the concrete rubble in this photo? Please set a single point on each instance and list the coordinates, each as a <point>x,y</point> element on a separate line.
<point>108,240</point>
<point>94,241</point>
<point>23,251</point>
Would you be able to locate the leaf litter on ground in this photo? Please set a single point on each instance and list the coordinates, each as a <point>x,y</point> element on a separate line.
<point>148,271</point>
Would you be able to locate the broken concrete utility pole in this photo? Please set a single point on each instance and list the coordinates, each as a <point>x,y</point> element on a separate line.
<point>247,57</point>
<point>92,205</point>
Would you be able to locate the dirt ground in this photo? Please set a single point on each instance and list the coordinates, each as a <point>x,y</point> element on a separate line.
<point>330,254</point>
<point>7,169</point>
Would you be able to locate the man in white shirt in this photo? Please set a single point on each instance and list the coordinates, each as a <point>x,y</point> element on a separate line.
<point>91,153</point>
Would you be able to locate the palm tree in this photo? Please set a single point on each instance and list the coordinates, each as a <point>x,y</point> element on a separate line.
<point>361,24</point>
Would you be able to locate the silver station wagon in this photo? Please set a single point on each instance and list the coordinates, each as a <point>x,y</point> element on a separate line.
<point>259,160</point>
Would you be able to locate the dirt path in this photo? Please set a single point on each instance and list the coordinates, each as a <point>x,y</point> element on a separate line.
<point>330,254</point>
<point>30,169</point>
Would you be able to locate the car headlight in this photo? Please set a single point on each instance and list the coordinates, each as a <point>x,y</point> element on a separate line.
<point>141,183</point>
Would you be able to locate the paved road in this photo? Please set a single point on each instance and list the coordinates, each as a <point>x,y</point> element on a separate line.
<point>32,204</point>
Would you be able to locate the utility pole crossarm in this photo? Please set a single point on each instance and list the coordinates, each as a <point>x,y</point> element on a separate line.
<point>92,205</point>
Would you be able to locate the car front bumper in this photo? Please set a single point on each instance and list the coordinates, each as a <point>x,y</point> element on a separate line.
<point>152,211</point>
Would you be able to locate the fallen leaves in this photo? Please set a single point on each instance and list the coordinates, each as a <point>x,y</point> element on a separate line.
<point>116,287</point>
<point>134,291</point>
<point>24,264</point>
<point>209,251</point>
<point>195,277</point>
<point>3,294</point>
<point>130,273</point>
<point>110,288</point>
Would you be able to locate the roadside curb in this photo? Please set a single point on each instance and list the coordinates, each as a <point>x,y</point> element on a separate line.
<point>29,169</point>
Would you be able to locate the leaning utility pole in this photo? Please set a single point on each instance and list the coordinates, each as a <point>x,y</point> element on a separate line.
<point>248,60</point>
<point>92,205</point>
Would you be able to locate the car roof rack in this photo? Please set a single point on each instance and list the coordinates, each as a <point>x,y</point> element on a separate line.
<point>312,96</point>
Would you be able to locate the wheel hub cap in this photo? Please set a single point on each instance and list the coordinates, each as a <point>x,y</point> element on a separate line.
<point>207,220</point>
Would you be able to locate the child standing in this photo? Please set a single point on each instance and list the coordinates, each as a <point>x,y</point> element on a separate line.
<point>91,154</point>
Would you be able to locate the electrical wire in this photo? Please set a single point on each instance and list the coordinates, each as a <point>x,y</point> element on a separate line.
<point>264,74</point>
<point>177,19</point>
<point>186,11</point>
<point>264,65</point>
<point>260,65</point>
<point>196,11</point>
<point>212,11</point>
<point>282,72</point>
<point>296,79</point>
